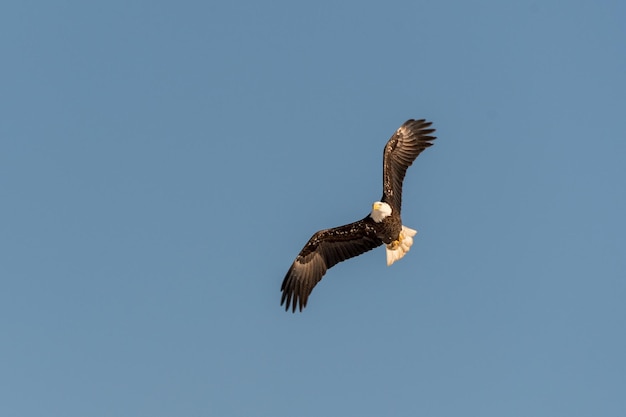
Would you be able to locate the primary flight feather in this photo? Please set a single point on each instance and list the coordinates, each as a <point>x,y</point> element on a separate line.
<point>383,224</point>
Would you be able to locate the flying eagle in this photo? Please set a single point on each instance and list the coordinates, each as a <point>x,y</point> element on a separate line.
<point>328,247</point>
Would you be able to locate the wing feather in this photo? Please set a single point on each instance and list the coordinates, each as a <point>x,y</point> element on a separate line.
<point>401,150</point>
<point>324,250</point>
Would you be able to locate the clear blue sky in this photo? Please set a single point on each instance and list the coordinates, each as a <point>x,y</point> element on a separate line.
<point>162,163</point>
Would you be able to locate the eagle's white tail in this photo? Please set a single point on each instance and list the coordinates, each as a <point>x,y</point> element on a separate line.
<point>396,250</point>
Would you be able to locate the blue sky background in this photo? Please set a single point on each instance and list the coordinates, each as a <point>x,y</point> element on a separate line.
<point>162,163</point>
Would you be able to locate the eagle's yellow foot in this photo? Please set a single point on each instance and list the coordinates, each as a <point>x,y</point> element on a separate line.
<point>398,248</point>
<point>394,245</point>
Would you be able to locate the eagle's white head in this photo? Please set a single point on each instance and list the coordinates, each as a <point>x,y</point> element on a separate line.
<point>380,211</point>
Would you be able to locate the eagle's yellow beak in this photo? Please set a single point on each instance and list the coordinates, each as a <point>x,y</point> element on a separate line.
<point>376,205</point>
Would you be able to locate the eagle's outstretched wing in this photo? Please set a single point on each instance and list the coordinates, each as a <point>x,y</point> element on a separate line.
<point>401,150</point>
<point>325,249</point>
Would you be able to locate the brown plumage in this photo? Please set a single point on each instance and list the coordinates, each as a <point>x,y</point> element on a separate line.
<point>401,150</point>
<point>328,247</point>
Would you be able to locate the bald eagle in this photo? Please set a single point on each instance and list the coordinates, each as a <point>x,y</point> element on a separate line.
<point>383,224</point>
